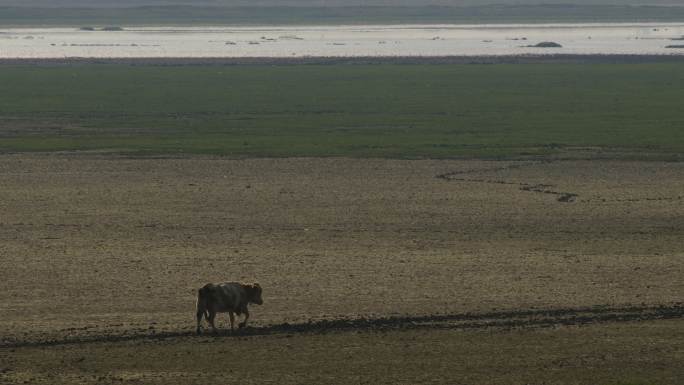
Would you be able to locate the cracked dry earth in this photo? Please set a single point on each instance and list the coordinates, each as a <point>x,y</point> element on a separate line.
<point>104,245</point>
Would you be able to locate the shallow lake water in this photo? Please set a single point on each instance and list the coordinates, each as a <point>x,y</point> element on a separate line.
<point>370,40</point>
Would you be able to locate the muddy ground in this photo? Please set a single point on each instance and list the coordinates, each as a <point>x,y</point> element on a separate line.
<point>105,252</point>
<point>621,353</point>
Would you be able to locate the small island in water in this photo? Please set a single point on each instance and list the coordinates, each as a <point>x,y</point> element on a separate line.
<point>106,29</point>
<point>545,44</point>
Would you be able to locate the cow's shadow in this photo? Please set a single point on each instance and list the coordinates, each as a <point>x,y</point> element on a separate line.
<point>240,332</point>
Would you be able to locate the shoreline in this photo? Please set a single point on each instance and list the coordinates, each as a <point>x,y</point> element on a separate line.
<point>303,27</point>
<point>350,60</point>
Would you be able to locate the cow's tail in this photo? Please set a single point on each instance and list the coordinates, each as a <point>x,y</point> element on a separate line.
<point>201,307</point>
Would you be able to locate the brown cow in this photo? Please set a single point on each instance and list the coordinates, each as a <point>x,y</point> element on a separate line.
<point>228,297</point>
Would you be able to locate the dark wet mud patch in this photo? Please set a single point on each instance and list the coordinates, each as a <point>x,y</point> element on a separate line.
<point>537,318</point>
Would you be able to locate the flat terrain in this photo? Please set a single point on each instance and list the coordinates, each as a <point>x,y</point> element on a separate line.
<point>632,353</point>
<point>414,223</point>
<point>509,111</point>
<point>101,257</point>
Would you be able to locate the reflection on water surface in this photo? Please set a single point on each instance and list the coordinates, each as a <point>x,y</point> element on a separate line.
<point>398,40</point>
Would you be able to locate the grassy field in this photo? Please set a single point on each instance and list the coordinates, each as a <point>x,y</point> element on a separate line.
<point>400,111</point>
<point>183,15</point>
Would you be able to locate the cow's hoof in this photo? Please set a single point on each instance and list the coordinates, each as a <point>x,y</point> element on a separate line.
<point>241,325</point>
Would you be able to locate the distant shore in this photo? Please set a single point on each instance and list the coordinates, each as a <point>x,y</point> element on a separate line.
<point>359,60</point>
<point>278,15</point>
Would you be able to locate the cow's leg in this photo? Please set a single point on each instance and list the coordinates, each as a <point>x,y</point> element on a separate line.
<point>212,315</point>
<point>200,313</point>
<point>244,323</point>
<point>232,320</point>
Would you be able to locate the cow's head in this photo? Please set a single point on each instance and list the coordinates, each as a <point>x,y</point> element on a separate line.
<point>253,291</point>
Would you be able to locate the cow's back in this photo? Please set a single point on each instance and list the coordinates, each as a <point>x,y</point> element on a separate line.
<point>230,296</point>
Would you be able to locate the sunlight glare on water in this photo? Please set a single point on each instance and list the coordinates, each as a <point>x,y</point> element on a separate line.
<point>343,41</point>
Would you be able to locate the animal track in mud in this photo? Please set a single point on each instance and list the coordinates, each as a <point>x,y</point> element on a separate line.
<point>562,196</point>
<point>450,175</point>
<point>544,188</point>
<point>465,321</point>
<point>659,199</point>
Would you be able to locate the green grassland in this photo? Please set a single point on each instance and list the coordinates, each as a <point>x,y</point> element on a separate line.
<point>402,111</point>
<point>203,15</point>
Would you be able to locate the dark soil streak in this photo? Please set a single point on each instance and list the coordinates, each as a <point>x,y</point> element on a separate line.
<point>465,321</point>
<point>661,199</point>
<point>451,175</point>
<point>356,60</point>
<point>562,196</point>
<point>542,188</point>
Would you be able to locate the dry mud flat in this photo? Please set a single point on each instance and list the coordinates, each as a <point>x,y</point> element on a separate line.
<point>102,252</point>
<point>620,353</point>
